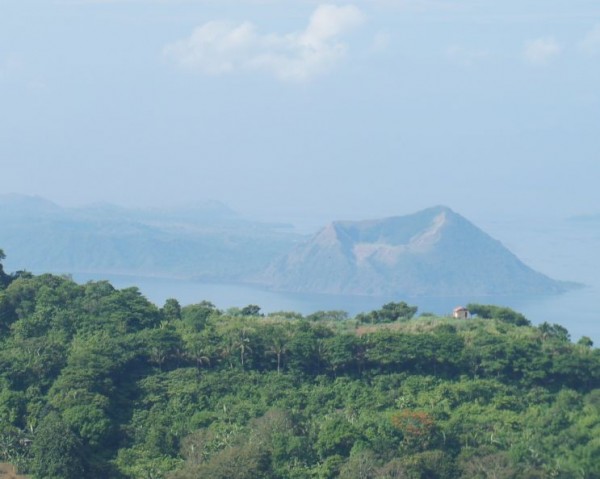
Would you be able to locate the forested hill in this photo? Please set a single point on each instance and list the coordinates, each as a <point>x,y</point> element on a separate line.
<point>100,383</point>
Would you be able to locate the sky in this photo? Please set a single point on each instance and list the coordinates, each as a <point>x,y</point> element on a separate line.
<point>304,111</point>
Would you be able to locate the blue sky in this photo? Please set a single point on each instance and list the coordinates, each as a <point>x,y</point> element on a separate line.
<point>304,111</point>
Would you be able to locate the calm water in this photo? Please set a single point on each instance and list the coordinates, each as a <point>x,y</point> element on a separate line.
<point>578,310</point>
<point>561,250</point>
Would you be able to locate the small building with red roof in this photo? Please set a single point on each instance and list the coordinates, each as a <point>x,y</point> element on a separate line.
<point>461,312</point>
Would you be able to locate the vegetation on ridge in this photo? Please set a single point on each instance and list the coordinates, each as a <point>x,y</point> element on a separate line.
<point>97,382</point>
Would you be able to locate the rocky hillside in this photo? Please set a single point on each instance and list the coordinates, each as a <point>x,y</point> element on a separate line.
<point>433,252</point>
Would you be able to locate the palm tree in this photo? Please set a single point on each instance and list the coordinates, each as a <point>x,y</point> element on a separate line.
<point>278,346</point>
<point>197,352</point>
<point>243,343</point>
<point>227,350</point>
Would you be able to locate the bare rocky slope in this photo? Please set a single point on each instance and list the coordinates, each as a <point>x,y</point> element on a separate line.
<point>434,252</point>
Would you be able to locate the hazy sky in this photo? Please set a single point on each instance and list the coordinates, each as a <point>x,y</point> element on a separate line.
<point>299,109</point>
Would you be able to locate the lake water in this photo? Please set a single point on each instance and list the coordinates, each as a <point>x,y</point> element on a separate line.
<point>562,250</point>
<point>577,310</point>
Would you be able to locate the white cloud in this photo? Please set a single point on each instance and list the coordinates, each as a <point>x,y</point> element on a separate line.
<point>223,47</point>
<point>591,42</point>
<point>10,66</point>
<point>541,51</point>
<point>465,56</point>
<point>423,5</point>
<point>381,41</point>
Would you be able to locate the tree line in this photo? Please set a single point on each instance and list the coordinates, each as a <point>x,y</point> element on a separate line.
<point>100,382</point>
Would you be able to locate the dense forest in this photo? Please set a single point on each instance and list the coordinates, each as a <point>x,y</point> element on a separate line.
<point>97,382</point>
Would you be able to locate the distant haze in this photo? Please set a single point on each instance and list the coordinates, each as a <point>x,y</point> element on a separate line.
<point>301,111</point>
<point>434,252</point>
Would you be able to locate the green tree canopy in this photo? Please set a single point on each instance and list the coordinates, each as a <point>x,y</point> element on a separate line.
<point>389,313</point>
<point>488,311</point>
<point>57,451</point>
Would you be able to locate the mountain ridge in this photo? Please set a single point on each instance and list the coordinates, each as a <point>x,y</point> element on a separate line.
<point>207,241</point>
<point>432,252</point>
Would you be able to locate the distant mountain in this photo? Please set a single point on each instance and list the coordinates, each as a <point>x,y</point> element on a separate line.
<point>206,241</point>
<point>433,252</point>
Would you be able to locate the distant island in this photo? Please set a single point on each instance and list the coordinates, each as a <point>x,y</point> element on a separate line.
<point>434,252</point>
